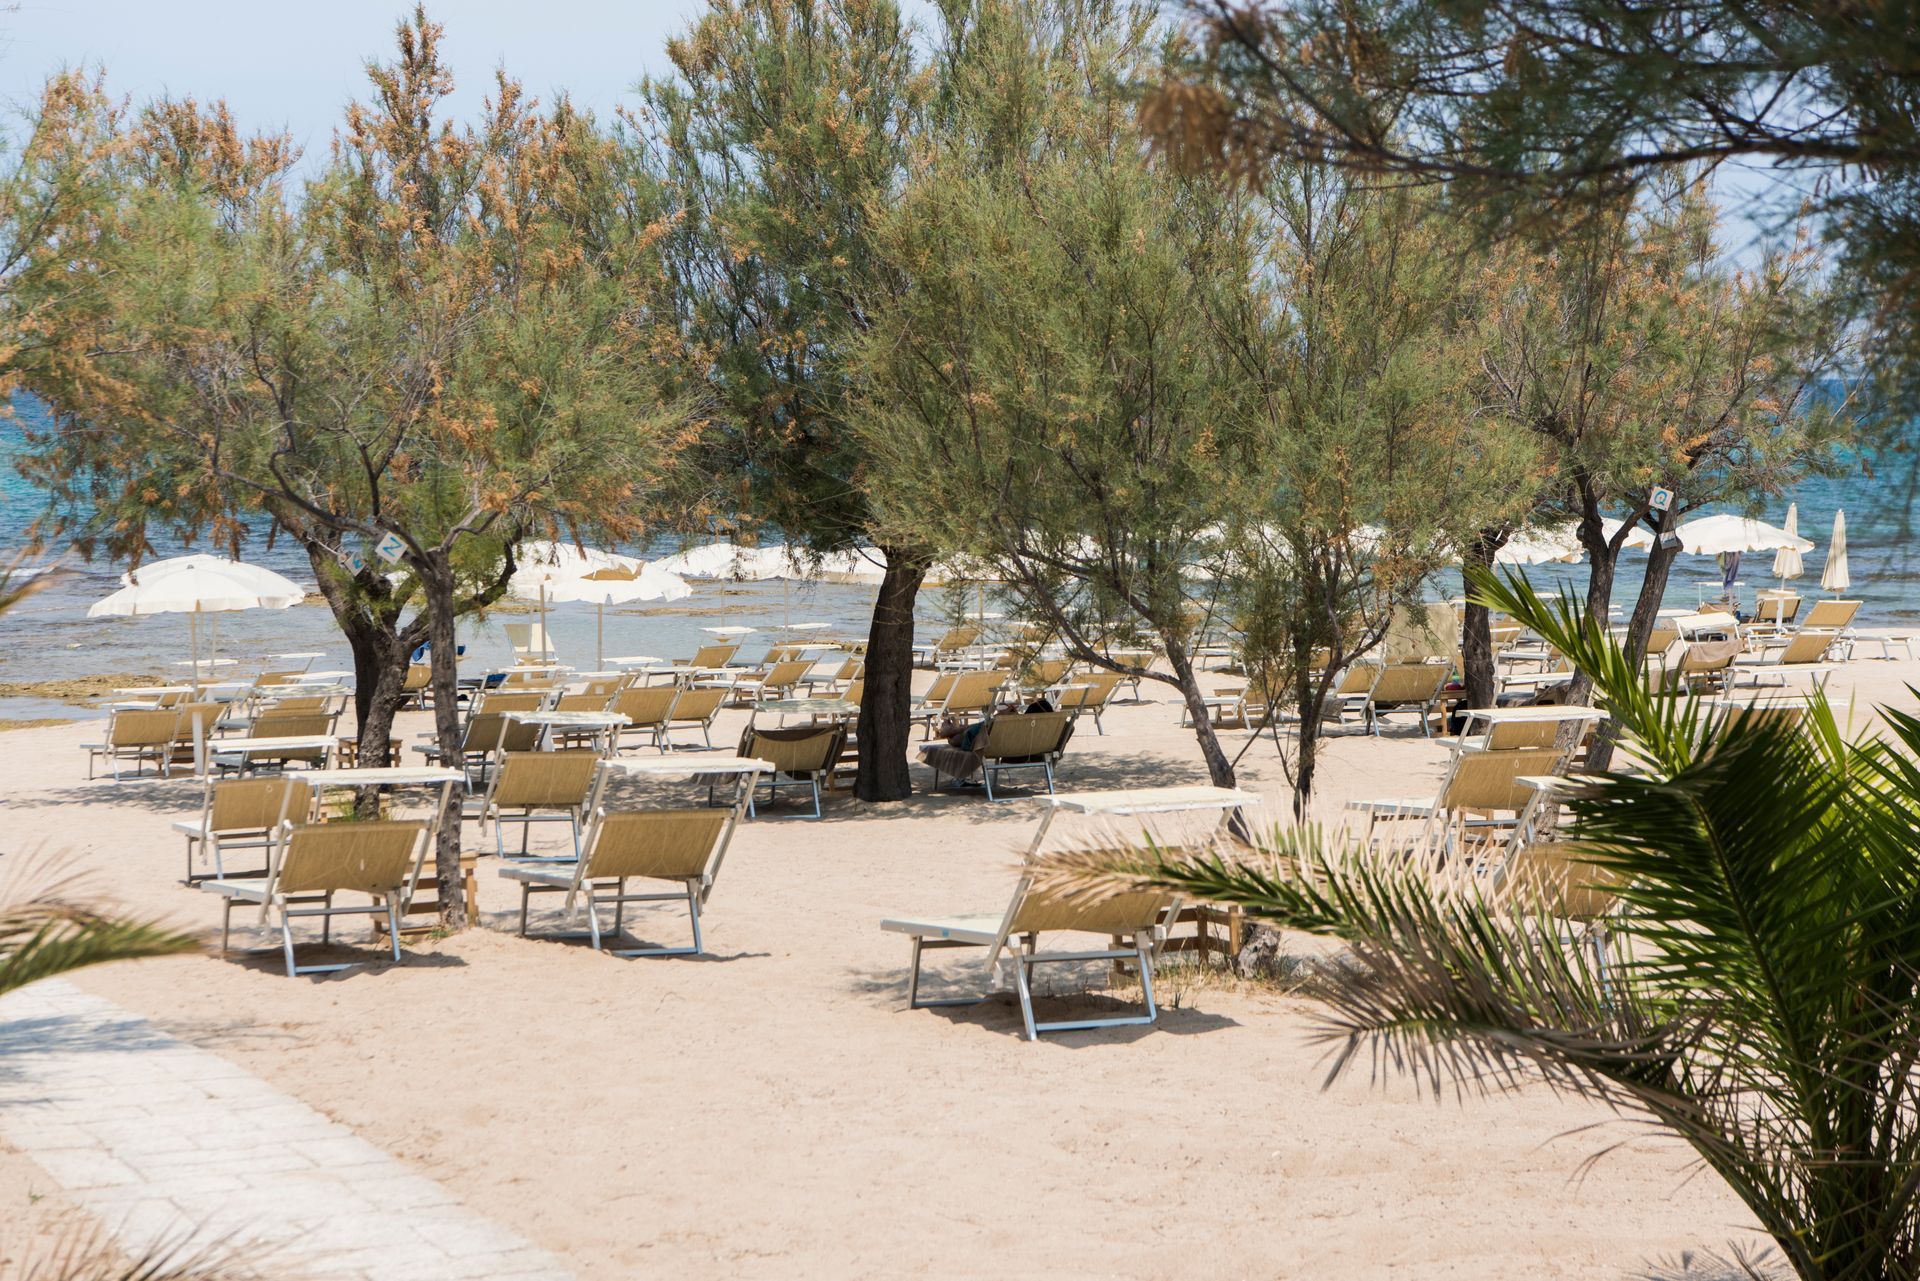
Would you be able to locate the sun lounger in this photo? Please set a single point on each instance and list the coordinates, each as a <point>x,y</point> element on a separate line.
<point>538,787</point>
<point>695,707</point>
<point>682,845</point>
<point>1009,741</point>
<point>242,813</point>
<point>804,756</point>
<point>951,643</point>
<point>1403,686</point>
<point>1130,923</point>
<point>313,863</point>
<point>138,735</point>
<point>1478,787</point>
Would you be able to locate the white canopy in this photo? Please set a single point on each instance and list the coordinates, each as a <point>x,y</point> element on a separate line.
<point>206,585</point>
<point>1713,535</point>
<point>555,573</point>
<point>729,560</point>
<point>1786,561</point>
<point>1540,547</point>
<point>1834,576</point>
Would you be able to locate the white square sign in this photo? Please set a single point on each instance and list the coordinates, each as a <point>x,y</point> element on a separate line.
<point>351,561</point>
<point>1661,499</point>
<point>390,549</point>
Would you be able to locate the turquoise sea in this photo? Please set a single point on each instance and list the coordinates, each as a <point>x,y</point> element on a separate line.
<point>49,636</point>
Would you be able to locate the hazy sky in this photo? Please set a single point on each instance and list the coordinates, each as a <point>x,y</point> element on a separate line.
<point>294,63</point>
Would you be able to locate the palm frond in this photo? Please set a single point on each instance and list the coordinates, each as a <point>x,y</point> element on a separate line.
<point>46,930</point>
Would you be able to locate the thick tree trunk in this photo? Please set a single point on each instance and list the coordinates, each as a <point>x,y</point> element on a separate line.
<point>1476,627</point>
<point>437,583</point>
<point>1646,609</point>
<point>1602,559</point>
<point>1309,703</point>
<point>380,654</point>
<point>887,706</point>
<point>1219,768</point>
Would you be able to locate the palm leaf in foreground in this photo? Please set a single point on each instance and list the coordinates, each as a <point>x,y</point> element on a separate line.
<point>45,931</point>
<point>1760,1002</point>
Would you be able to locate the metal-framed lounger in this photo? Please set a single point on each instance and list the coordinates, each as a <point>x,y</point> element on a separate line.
<point>1015,932</point>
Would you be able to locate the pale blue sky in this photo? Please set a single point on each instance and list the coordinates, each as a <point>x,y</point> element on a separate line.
<point>293,64</point>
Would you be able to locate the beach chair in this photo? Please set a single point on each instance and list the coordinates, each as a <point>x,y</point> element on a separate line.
<point>1805,654</point>
<point>1464,815</point>
<point>311,864</point>
<point>540,787</point>
<point>1130,923</point>
<point>530,642</point>
<point>1400,687</point>
<point>277,724</point>
<point>710,656</point>
<point>242,813</point>
<point>417,688</point>
<point>697,707</point>
<point>849,671</point>
<point>959,695</point>
<point>804,756</point>
<point>648,708</point>
<point>776,681</point>
<point>138,735</point>
<point>1029,741</point>
<point>675,845</point>
<point>1831,616</point>
<point>1700,664</point>
<point>1089,695</point>
<point>1774,612</point>
<point>486,735</point>
<point>951,643</point>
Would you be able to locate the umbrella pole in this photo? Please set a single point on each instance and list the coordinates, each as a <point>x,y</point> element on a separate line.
<point>600,637</point>
<point>193,650</point>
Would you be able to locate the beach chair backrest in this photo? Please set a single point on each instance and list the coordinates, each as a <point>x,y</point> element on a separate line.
<point>856,690</point>
<point>973,691</point>
<point>1710,656</point>
<point>1662,637</point>
<point>419,676</point>
<point>852,669</point>
<point>1030,734</point>
<point>1551,876</point>
<point>646,705</point>
<point>1807,647</point>
<point>514,701</point>
<point>777,654</point>
<point>530,680</point>
<point>491,732</point>
<point>713,656</point>
<point>674,843</point>
<point>957,638</point>
<point>258,804</point>
<point>941,687</point>
<point>1777,610</point>
<point>588,702</point>
<point>1037,910</point>
<point>801,750</point>
<point>1505,736</point>
<point>544,778</point>
<point>1408,682</point>
<point>603,687</point>
<point>278,724</point>
<point>1048,671</point>
<point>367,858</point>
<point>1357,679</point>
<point>1488,781</point>
<point>266,680</point>
<point>300,703</point>
<point>1833,614</point>
<point>143,727</point>
<point>204,716</point>
<point>785,675</point>
<point>699,706</point>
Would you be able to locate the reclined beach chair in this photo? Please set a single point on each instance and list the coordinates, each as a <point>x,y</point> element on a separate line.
<point>1089,694</point>
<point>139,735</point>
<point>714,656</point>
<point>804,756</point>
<point>1804,654</point>
<point>487,734</point>
<point>683,845</point>
<point>849,671</point>
<point>1831,616</point>
<point>1130,923</point>
<point>242,813</point>
<point>647,709</point>
<point>1401,687</point>
<point>311,864</point>
<point>1466,813</point>
<point>959,695</point>
<point>950,644</point>
<point>695,707</point>
<point>776,681</point>
<point>540,787</point>
<point>417,688</point>
<point>1009,741</point>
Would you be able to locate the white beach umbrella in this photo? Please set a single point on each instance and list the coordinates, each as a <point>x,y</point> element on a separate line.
<point>211,585</point>
<point>1713,535</point>
<point>559,574</point>
<point>728,560</point>
<point>1833,576</point>
<point>1541,547</point>
<point>1786,561</point>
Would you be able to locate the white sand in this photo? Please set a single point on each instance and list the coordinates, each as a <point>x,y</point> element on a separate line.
<point>774,1110</point>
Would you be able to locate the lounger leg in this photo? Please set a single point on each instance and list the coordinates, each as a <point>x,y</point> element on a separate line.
<point>1022,981</point>
<point>393,927</point>
<point>286,938</point>
<point>816,796</point>
<point>526,892</point>
<point>226,927</point>
<point>1048,767</point>
<point>693,911</point>
<point>1144,946</point>
<point>573,822</point>
<point>913,977</point>
<point>593,920</point>
<point>619,906</point>
<point>326,919</point>
<point>986,776</point>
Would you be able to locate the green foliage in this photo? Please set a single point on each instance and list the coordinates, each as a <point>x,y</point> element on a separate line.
<point>1760,1002</point>
<point>44,932</point>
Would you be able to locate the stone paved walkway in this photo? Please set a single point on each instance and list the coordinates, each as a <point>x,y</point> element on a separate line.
<point>164,1141</point>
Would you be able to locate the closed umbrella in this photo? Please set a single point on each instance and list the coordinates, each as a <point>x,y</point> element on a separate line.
<point>1834,577</point>
<point>1786,561</point>
<point>210,585</point>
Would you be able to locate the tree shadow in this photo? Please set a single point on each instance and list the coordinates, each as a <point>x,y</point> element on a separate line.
<point>999,1011</point>
<point>555,929</point>
<point>1736,1265</point>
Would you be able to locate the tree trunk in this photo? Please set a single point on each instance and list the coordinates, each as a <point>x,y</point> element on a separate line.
<point>1476,626</point>
<point>1308,704</point>
<point>380,654</point>
<point>437,583</point>
<point>886,708</point>
<point>1602,558</point>
<point>1219,768</point>
<point>1646,609</point>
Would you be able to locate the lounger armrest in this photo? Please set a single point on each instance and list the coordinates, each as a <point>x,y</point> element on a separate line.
<point>981,931</point>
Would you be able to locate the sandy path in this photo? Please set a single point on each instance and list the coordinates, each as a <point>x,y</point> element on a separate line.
<point>775,1111</point>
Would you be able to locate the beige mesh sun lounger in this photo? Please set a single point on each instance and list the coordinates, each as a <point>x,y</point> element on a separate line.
<point>543,787</point>
<point>1131,923</point>
<point>312,863</point>
<point>683,845</point>
<point>242,813</point>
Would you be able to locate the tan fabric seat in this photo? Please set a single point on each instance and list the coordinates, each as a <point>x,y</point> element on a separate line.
<point>242,813</point>
<point>538,787</point>
<point>311,864</point>
<point>648,709</point>
<point>1031,740</point>
<point>804,756</point>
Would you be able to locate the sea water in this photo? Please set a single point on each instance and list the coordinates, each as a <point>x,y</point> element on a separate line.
<point>49,636</point>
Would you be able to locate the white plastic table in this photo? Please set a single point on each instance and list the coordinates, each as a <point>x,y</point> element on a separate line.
<point>605,726</point>
<point>241,751</point>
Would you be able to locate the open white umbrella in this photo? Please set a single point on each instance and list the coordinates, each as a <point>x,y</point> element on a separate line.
<point>1786,561</point>
<point>555,574</point>
<point>1541,547</point>
<point>1833,576</point>
<point>728,560</point>
<point>210,585</point>
<point>1713,535</point>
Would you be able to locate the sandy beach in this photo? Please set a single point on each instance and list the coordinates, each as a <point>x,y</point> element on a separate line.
<point>775,1110</point>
